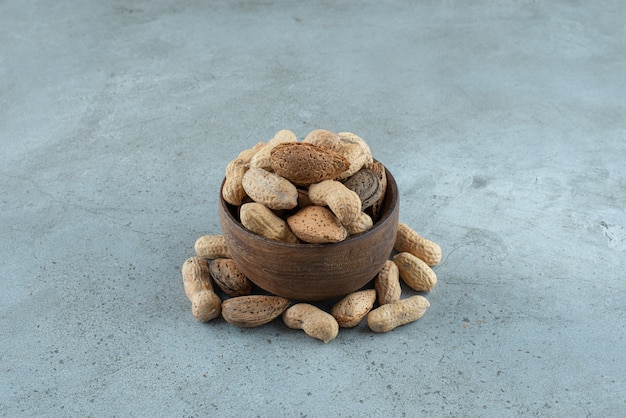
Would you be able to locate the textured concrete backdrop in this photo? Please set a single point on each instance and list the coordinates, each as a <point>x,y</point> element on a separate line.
<point>503,122</point>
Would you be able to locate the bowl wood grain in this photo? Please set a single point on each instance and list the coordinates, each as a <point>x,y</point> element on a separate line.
<point>313,272</point>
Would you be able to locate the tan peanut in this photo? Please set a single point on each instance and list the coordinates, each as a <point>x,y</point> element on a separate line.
<point>261,158</point>
<point>356,151</point>
<point>261,220</point>
<point>351,138</point>
<point>229,278</point>
<point>387,283</point>
<point>344,203</point>
<point>410,241</point>
<point>361,224</point>
<point>401,312</point>
<point>351,309</point>
<point>302,163</point>
<point>247,154</point>
<point>232,190</point>
<point>312,320</point>
<point>267,188</point>
<point>415,272</point>
<point>205,304</point>
<point>211,247</point>
<point>317,225</point>
<point>324,138</point>
<point>253,310</point>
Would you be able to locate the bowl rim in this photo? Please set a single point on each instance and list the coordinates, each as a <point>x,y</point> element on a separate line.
<point>391,185</point>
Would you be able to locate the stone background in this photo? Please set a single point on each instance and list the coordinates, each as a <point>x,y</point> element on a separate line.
<point>503,122</point>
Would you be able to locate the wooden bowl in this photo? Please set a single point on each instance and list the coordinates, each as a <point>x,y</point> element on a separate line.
<point>313,272</point>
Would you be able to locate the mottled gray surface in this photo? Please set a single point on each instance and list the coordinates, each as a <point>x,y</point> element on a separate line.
<point>503,122</point>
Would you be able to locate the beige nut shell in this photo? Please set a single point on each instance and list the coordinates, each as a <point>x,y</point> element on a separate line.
<point>312,320</point>
<point>317,225</point>
<point>229,278</point>
<point>253,310</point>
<point>392,315</point>
<point>270,189</point>
<point>351,309</point>
<point>414,272</point>
<point>303,164</point>
<point>259,219</point>
<point>407,239</point>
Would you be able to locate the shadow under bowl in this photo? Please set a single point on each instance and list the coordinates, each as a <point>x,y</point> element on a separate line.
<point>313,272</point>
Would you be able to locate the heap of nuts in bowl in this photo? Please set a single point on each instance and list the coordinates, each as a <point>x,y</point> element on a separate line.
<point>333,178</point>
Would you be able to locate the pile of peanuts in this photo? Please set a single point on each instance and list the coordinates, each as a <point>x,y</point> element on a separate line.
<point>321,190</point>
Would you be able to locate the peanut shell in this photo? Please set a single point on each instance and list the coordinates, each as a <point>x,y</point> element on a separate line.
<point>205,306</point>
<point>233,191</point>
<point>324,138</point>
<point>410,241</point>
<point>361,224</point>
<point>392,315</point>
<point>343,202</point>
<point>267,188</point>
<point>196,276</point>
<point>211,247</point>
<point>387,283</point>
<point>312,320</point>
<point>415,272</point>
<point>356,151</point>
<point>261,220</point>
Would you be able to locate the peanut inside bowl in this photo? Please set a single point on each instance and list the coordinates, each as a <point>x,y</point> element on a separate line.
<point>312,272</point>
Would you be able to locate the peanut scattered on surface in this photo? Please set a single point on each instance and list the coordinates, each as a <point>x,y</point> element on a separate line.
<point>407,240</point>
<point>387,283</point>
<point>205,304</point>
<point>401,312</point>
<point>312,320</point>
<point>211,247</point>
<point>415,272</point>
